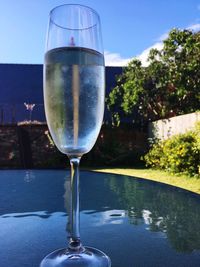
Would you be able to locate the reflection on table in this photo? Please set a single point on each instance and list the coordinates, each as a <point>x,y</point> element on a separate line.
<point>136,222</point>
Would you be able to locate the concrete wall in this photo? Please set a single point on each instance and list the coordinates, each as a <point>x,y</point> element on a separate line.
<point>163,129</point>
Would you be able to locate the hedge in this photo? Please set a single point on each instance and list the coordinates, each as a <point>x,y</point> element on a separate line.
<point>178,154</point>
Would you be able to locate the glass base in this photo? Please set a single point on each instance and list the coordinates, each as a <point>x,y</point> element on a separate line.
<point>87,257</point>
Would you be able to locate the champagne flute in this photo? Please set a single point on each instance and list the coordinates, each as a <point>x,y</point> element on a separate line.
<point>74,92</point>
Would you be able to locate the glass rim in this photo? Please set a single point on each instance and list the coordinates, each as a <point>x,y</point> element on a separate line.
<point>78,5</point>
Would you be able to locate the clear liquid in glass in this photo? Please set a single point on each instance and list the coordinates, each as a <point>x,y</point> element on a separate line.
<point>74,97</point>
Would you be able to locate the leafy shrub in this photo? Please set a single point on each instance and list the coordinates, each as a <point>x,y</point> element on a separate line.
<point>178,154</point>
<point>154,156</point>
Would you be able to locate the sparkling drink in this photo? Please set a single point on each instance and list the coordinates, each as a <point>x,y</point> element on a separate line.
<point>74,92</point>
<point>74,97</point>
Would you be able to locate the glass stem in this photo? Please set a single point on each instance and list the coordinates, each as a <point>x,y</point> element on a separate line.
<point>74,221</point>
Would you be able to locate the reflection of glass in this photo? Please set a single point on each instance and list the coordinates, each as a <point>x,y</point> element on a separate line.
<point>30,108</point>
<point>159,223</point>
<point>29,176</point>
<point>74,104</point>
<point>67,197</point>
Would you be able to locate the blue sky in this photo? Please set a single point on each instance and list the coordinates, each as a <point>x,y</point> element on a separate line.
<point>130,27</point>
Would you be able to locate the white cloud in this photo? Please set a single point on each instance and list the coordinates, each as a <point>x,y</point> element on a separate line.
<point>144,55</point>
<point>163,37</point>
<point>194,27</point>
<point>115,59</point>
<point>159,44</point>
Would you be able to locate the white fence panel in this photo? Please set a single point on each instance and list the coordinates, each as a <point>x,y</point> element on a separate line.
<point>163,129</point>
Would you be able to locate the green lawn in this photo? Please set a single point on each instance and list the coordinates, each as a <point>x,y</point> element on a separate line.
<point>182,181</point>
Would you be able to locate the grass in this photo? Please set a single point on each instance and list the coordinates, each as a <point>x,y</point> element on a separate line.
<point>189,183</point>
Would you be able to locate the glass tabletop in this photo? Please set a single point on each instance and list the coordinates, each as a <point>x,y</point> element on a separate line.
<point>134,221</point>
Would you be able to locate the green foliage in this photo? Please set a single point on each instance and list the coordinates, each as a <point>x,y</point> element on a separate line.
<point>168,86</point>
<point>178,154</point>
<point>154,157</point>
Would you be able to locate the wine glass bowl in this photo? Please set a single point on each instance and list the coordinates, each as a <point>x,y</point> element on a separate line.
<point>74,106</point>
<point>74,92</point>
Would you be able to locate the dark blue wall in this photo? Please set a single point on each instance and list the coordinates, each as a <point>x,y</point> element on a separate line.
<point>21,83</point>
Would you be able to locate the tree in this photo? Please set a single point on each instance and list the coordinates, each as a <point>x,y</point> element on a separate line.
<point>167,87</point>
